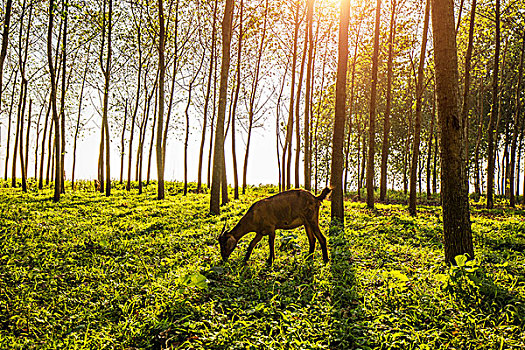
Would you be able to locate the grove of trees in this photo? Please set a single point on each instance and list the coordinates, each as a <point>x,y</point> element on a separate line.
<point>419,96</point>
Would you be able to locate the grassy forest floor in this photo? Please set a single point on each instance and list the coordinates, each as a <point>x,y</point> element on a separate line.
<point>130,272</point>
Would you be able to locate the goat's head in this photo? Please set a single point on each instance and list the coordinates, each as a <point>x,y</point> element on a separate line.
<point>227,243</point>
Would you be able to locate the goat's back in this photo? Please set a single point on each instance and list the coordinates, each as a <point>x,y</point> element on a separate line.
<point>285,210</point>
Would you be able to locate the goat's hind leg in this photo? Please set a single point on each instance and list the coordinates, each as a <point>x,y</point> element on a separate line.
<point>252,245</point>
<point>311,240</point>
<point>322,240</point>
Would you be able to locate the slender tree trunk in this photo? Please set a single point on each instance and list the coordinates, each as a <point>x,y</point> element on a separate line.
<point>297,116</point>
<point>26,158</point>
<point>336,178</point>
<point>218,154</point>
<point>212,131</point>
<point>142,136</point>
<point>187,136</point>
<point>3,51</point>
<point>63,96</point>
<point>316,133</point>
<point>358,162</point>
<point>363,160</point>
<point>160,131</point>
<point>454,197</point>
<point>101,159</point>
<point>287,150</point>
<point>50,146</point>
<point>9,122</point>
<point>406,154</point>
<point>491,131</point>
<point>207,98</point>
<point>466,89</point>
<point>429,143</point>
<point>236,100</point>
<point>417,122</point>
<point>77,126</point>
<point>38,131</point>
<point>22,59</point>
<point>514,143</point>
<point>170,103</point>
<point>22,160</point>
<point>18,132</point>
<point>106,96</point>
<point>123,143</point>
<point>253,94</point>
<point>434,168</point>
<point>477,177</point>
<point>350,113</point>
<point>386,123</point>
<point>308,93</point>
<point>505,162</point>
<point>371,127</point>
<point>153,126</point>
<point>56,121</point>
<point>277,126</point>
<point>137,99</point>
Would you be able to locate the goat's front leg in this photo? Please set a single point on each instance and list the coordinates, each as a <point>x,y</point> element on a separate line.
<point>253,243</point>
<point>271,241</point>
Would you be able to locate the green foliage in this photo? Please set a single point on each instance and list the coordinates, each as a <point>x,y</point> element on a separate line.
<point>132,272</point>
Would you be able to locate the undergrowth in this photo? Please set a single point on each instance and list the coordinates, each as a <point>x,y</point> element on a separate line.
<point>132,272</point>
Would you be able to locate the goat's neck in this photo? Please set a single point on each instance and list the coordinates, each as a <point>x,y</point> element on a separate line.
<point>240,230</point>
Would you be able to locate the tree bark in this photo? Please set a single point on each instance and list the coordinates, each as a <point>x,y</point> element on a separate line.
<point>371,126</point>
<point>336,178</point>
<point>417,122</point>
<point>218,154</point>
<point>456,215</point>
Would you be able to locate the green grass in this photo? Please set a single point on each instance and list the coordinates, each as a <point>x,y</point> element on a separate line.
<point>132,272</point>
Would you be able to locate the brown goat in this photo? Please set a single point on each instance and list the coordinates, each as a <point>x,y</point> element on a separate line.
<point>286,210</point>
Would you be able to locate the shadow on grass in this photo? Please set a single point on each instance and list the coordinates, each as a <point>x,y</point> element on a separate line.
<point>348,330</point>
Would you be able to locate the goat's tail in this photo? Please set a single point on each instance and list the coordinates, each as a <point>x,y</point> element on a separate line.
<point>323,194</point>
